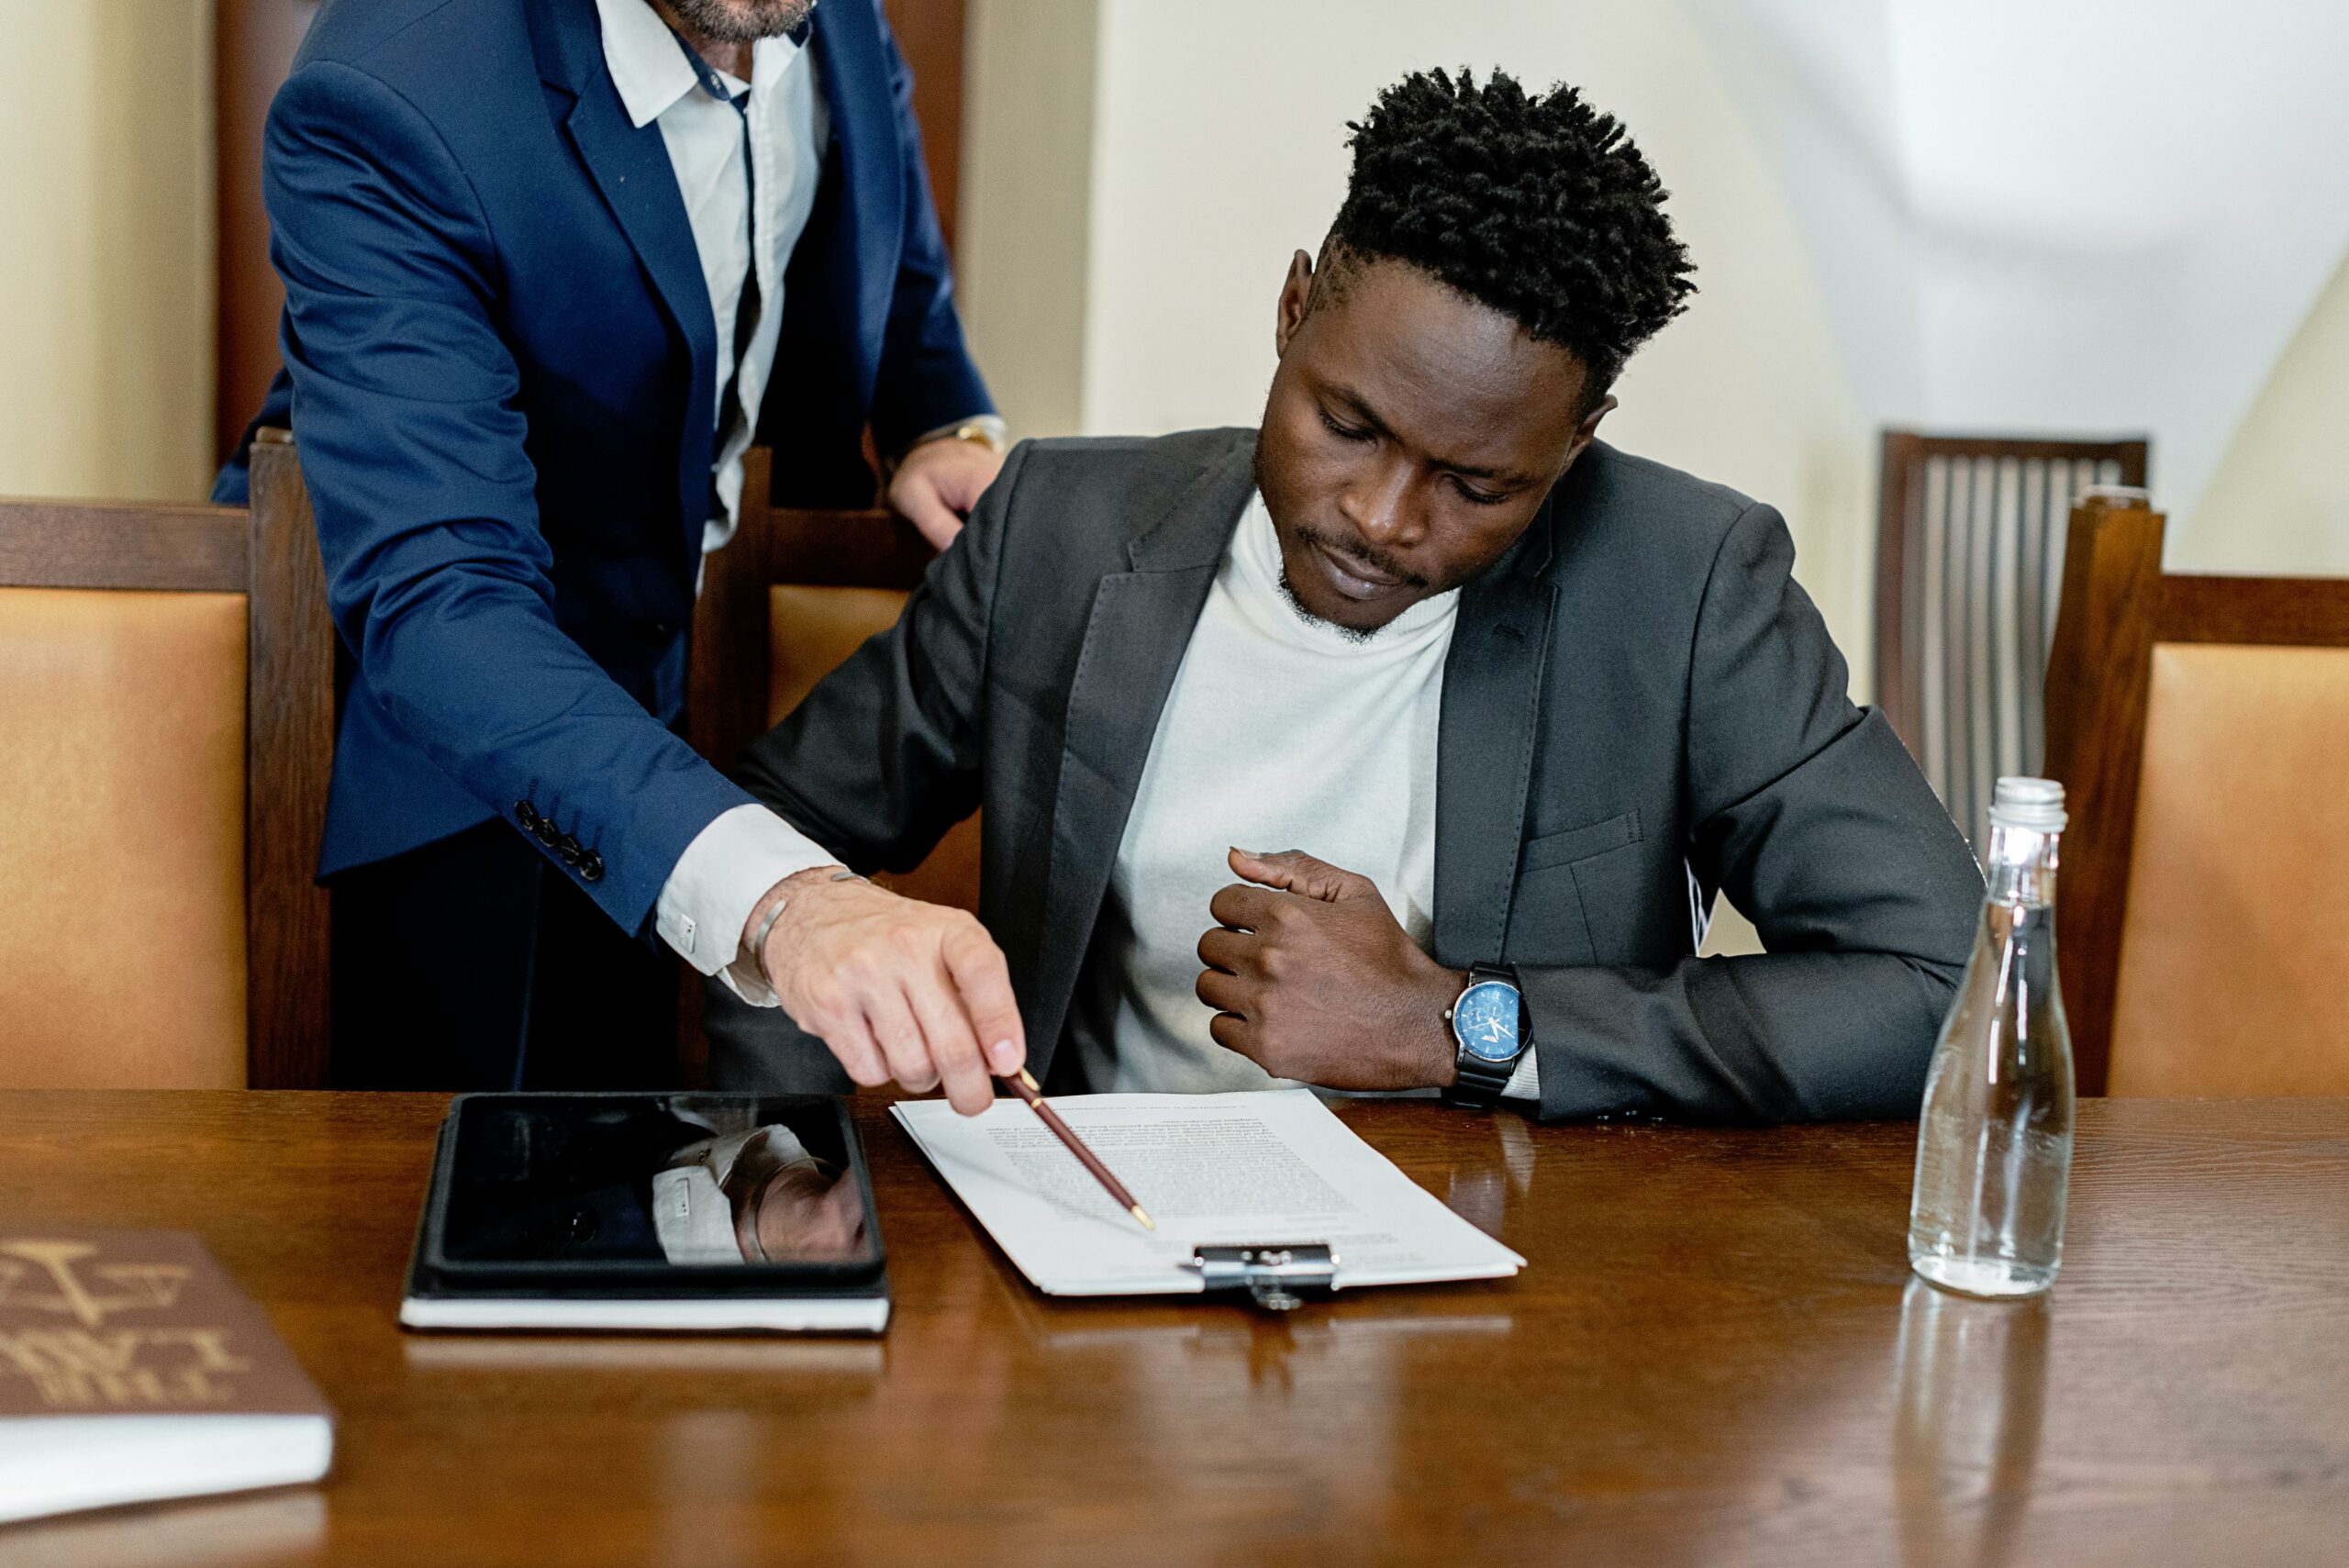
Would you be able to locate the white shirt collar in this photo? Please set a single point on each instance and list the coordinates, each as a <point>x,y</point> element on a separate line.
<point>643,56</point>
<point>648,63</point>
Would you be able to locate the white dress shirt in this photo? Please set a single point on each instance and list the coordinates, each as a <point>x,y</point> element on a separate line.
<point>731,863</point>
<point>790,127</point>
<point>1280,732</point>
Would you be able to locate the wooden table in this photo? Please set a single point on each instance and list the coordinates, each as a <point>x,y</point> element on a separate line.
<point>1716,1356</point>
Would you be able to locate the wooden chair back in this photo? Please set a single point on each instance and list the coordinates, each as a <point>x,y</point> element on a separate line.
<point>166,731</point>
<point>1969,557</point>
<point>794,595</point>
<point>2200,727</point>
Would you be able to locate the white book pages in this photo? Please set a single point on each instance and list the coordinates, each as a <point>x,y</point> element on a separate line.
<point>51,1464</point>
<point>1262,1167</point>
<point>720,1314</point>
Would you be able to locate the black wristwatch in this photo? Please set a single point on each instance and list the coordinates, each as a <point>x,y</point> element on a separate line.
<point>1490,1035</point>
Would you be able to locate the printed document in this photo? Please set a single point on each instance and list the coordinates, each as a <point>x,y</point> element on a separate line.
<point>1260,1167</point>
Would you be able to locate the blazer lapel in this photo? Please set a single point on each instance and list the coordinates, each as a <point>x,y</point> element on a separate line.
<point>1492,707</point>
<point>1135,637</point>
<point>630,166</point>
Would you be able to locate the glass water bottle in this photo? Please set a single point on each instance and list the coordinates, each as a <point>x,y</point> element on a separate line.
<point>1994,1146</point>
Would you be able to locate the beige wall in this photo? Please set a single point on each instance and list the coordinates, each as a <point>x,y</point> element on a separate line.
<point>105,248</point>
<point>2280,501</point>
<point>1020,258</point>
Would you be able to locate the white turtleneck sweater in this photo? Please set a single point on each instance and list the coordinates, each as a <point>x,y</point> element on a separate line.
<point>1281,732</point>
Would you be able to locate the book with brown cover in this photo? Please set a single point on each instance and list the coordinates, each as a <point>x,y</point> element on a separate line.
<point>132,1367</point>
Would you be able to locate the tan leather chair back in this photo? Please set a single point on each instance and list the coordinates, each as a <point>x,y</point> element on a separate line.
<point>122,814</point>
<point>2200,727</point>
<point>811,630</point>
<point>2234,950</point>
<point>166,732</point>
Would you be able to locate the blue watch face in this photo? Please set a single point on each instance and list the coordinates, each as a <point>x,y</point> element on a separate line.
<point>1485,1020</point>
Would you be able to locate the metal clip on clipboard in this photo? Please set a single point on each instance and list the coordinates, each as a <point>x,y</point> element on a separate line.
<point>1273,1274</point>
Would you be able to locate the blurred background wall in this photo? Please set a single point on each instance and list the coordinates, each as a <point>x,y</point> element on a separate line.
<point>2070,216</point>
<point>105,248</point>
<point>2278,502</point>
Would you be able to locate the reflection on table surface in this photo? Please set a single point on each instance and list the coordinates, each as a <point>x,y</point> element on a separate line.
<point>1716,1354</point>
<point>729,1356</point>
<point>1973,1393</point>
<point>287,1525</point>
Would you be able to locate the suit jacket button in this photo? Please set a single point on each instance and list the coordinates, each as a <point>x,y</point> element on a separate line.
<point>591,867</point>
<point>569,850</point>
<point>527,815</point>
<point>543,830</point>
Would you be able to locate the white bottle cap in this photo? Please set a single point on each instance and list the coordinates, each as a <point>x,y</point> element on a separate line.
<point>2034,805</point>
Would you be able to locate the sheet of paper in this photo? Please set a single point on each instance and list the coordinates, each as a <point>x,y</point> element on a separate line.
<point>1268,1165</point>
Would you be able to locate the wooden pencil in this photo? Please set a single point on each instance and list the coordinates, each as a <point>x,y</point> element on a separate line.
<point>1026,1087</point>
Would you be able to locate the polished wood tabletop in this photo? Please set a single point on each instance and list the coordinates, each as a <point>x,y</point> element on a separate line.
<point>1715,1355</point>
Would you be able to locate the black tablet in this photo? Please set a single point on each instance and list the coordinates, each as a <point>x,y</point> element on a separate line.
<point>635,1211</point>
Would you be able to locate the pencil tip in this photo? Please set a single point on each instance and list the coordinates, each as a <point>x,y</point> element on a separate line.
<point>1147,1223</point>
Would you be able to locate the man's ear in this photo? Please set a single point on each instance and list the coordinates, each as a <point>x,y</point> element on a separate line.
<point>1296,293</point>
<point>1588,431</point>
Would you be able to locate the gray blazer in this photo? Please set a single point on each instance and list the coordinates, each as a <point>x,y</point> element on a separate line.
<point>1640,708</point>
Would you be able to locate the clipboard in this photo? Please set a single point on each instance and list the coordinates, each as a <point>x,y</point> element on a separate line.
<point>1277,1277</point>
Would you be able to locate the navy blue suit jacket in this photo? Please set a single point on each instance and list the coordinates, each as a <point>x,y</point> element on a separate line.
<point>500,355</point>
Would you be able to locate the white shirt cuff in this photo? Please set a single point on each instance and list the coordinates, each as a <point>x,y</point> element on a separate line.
<point>1525,1084</point>
<point>719,881</point>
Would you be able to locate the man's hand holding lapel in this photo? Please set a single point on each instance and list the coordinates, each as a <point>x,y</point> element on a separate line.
<point>1312,978</point>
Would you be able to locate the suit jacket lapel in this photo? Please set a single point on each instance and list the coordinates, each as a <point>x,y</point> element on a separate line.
<point>1135,637</point>
<point>1492,707</point>
<point>630,167</point>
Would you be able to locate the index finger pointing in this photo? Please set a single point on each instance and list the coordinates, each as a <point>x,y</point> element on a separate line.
<point>985,982</point>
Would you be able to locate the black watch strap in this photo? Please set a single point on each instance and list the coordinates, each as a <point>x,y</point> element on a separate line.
<point>1478,1083</point>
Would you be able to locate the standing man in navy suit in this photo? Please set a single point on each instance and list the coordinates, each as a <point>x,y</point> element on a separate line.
<point>550,267</point>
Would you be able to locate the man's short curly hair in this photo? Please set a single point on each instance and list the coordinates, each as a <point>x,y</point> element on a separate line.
<point>1538,208</point>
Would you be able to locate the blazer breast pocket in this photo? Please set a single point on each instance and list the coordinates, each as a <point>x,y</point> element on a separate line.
<point>1580,843</point>
<point>1548,923</point>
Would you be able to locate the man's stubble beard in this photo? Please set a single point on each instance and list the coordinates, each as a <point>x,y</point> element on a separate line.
<point>1351,633</point>
<point>742,21</point>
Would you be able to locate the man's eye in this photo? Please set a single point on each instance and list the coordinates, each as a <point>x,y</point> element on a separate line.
<point>1474,497</point>
<point>1343,432</point>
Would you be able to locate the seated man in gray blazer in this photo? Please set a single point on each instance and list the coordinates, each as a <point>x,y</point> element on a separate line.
<point>1490,710</point>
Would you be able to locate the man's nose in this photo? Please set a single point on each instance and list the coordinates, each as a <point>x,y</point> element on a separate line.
<point>1380,507</point>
